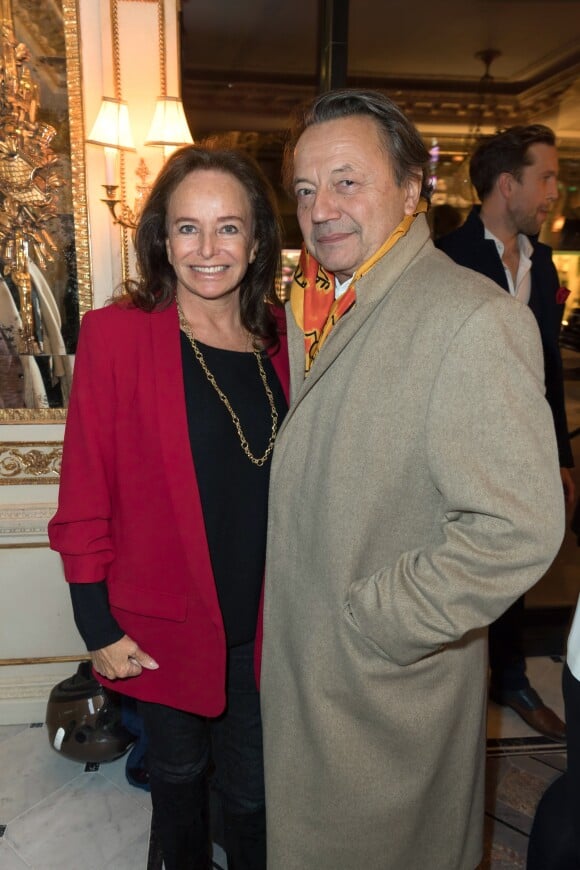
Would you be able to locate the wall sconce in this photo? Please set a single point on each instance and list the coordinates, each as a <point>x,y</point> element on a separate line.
<point>112,130</point>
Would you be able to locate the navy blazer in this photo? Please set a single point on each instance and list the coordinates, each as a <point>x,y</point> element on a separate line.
<point>468,246</point>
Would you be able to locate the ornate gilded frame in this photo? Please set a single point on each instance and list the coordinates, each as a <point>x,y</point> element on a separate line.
<point>79,197</point>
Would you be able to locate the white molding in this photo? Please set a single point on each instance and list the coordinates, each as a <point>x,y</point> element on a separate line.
<point>23,701</point>
<point>25,521</point>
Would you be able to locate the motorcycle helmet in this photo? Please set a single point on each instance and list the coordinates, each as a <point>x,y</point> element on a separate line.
<point>84,719</point>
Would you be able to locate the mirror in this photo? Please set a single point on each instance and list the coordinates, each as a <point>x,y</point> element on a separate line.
<point>46,287</point>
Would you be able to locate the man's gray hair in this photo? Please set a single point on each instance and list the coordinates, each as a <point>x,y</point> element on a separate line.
<point>400,138</point>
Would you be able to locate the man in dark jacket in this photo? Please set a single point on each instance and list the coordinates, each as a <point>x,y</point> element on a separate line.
<point>515,175</point>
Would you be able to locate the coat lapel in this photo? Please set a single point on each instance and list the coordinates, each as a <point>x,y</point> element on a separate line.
<point>481,254</point>
<point>177,459</point>
<point>372,290</point>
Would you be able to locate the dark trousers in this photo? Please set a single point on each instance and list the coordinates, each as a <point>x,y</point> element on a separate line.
<point>555,836</point>
<point>181,748</point>
<point>506,654</point>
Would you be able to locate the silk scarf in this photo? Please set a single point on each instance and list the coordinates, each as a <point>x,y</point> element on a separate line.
<point>312,301</point>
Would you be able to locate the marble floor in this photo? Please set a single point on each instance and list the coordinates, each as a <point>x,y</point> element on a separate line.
<point>55,814</point>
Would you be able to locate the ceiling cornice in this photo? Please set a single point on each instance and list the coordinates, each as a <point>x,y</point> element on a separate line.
<point>221,100</point>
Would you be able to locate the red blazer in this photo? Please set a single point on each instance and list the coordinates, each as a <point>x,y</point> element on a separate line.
<point>129,509</point>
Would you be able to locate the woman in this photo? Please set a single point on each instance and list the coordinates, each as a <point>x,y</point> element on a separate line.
<point>179,390</point>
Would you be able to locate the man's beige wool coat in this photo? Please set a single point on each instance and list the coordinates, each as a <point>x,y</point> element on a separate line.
<point>415,493</point>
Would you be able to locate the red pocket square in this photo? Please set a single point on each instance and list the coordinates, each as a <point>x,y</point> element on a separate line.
<point>562,294</point>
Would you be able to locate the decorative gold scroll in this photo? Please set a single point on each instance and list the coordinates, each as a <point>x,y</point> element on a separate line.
<point>30,463</point>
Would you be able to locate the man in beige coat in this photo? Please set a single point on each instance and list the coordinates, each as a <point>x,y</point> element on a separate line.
<point>415,493</point>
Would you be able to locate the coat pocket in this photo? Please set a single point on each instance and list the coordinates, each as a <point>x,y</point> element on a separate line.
<point>353,627</point>
<point>148,602</point>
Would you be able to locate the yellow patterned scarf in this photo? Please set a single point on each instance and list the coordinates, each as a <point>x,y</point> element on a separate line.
<point>312,300</point>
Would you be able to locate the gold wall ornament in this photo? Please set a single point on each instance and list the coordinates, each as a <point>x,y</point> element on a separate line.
<point>30,463</point>
<point>29,182</point>
<point>58,72</point>
<point>124,215</point>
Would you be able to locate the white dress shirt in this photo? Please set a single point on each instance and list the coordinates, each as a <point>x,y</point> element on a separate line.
<point>521,287</point>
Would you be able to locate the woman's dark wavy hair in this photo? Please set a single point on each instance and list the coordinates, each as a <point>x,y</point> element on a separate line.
<point>155,287</point>
<point>401,140</point>
<point>506,151</point>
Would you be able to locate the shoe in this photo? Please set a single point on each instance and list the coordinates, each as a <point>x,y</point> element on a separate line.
<point>528,704</point>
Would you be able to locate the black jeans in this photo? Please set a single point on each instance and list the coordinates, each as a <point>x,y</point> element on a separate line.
<point>181,746</point>
<point>555,835</point>
<point>506,653</point>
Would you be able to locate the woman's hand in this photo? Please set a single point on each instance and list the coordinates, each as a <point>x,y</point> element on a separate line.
<point>122,659</point>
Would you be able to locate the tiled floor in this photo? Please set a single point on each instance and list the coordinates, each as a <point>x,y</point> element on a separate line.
<point>59,816</point>
<point>56,815</point>
<point>520,765</point>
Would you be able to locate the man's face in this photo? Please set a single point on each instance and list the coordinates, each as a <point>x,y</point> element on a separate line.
<point>530,200</point>
<point>348,199</point>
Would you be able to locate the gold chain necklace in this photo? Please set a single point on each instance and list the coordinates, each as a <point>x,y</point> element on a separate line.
<point>274,413</point>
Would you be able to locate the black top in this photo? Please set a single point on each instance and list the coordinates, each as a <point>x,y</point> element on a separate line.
<point>233,491</point>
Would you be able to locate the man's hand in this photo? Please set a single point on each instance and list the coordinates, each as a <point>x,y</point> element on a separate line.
<point>122,659</point>
<point>569,487</point>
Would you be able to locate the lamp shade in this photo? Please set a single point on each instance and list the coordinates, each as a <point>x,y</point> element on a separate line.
<point>112,128</point>
<point>169,125</point>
